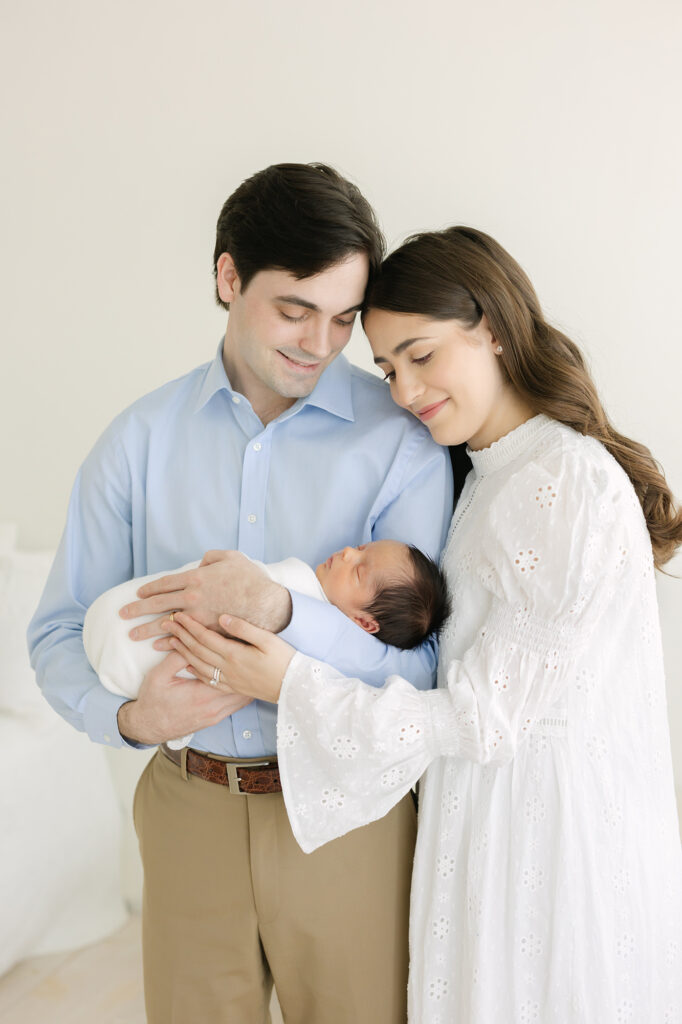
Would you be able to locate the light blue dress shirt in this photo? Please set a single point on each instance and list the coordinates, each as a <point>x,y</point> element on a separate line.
<point>191,467</point>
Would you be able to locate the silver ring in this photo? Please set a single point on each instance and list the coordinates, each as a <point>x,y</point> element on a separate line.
<point>216,677</point>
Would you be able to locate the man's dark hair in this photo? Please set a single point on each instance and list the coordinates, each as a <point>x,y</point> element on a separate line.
<point>301,218</point>
<point>412,607</point>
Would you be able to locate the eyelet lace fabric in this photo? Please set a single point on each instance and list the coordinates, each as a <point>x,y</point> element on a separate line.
<point>548,878</point>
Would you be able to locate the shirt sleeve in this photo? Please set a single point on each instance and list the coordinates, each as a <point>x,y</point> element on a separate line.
<point>95,553</point>
<point>421,481</point>
<point>348,752</point>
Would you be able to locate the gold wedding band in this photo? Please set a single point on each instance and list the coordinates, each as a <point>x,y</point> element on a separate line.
<point>172,616</point>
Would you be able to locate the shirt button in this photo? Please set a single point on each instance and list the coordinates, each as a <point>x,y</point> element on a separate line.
<point>247,734</point>
<point>251,518</point>
<point>257,446</point>
<point>236,399</point>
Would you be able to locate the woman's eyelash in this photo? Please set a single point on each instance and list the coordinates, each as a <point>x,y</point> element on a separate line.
<point>421,361</point>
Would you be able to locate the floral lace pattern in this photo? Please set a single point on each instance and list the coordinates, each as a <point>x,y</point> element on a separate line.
<point>548,880</point>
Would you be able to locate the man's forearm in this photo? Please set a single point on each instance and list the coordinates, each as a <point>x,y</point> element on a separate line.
<point>273,610</point>
<point>250,594</point>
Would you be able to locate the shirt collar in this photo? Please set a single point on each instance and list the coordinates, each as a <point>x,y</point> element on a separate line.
<point>215,379</point>
<point>332,392</point>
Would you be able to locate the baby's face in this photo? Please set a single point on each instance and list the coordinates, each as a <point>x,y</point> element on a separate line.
<point>350,578</point>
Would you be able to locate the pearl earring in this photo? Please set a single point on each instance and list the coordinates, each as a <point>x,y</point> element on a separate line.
<point>499,350</point>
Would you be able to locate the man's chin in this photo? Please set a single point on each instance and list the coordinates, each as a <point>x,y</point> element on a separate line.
<point>289,388</point>
<point>297,382</point>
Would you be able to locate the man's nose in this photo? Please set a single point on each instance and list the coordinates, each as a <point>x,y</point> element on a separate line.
<point>317,341</point>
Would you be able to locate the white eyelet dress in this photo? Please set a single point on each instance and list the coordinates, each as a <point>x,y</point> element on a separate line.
<point>547,883</point>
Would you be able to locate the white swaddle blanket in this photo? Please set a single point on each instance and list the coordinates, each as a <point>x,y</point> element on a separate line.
<point>122,663</point>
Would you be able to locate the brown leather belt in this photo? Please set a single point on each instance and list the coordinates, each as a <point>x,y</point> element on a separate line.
<point>245,777</point>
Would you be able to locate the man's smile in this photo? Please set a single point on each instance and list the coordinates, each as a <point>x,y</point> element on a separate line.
<point>297,363</point>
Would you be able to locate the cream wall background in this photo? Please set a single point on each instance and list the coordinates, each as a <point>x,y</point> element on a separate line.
<point>552,125</point>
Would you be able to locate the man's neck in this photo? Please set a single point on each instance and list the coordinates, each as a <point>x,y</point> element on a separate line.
<point>265,402</point>
<point>267,413</point>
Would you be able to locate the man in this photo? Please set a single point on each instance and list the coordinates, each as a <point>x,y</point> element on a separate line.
<point>278,447</point>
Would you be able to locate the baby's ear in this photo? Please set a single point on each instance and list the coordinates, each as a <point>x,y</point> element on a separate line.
<point>367,623</point>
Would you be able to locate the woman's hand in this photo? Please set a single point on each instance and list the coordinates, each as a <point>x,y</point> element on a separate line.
<point>254,668</point>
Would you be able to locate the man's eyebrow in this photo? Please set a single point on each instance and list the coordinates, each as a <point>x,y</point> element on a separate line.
<point>296,300</point>
<point>400,348</point>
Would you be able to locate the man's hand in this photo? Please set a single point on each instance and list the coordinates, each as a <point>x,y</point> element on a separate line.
<point>225,582</point>
<point>169,706</point>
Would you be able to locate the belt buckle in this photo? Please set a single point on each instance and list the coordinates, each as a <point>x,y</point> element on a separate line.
<point>234,780</point>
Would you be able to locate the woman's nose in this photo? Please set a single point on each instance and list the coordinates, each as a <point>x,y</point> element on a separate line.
<point>406,389</point>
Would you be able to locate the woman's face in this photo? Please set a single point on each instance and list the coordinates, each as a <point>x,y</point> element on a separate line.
<point>446,375</point>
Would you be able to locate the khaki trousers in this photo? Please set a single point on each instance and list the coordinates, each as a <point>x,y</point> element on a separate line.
<point>231,902</point>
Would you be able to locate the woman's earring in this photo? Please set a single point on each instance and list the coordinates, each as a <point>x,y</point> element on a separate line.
<point>499,350</point>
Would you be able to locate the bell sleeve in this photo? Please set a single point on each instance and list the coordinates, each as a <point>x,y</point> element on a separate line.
<point>550,549</point>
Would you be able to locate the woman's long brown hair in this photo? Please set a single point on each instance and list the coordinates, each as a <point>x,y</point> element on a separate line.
<point>463,274</point>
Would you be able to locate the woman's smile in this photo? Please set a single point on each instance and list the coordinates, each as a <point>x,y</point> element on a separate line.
<point>429,411</point>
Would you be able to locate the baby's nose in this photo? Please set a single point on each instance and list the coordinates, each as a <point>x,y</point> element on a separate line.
<point>348,553</point>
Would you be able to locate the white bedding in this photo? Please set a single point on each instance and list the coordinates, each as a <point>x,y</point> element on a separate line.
<point>61,821</point>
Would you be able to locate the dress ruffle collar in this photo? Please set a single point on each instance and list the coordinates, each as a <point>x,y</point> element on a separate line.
<point>515,443</point>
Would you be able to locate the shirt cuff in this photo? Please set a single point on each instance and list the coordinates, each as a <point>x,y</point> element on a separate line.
<point>101,721</point>
<point>311,621</point>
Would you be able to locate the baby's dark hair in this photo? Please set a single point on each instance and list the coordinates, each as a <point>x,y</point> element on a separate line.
<point>411,607</point>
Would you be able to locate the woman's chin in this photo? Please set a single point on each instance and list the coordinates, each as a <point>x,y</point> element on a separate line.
<point>446,435</point>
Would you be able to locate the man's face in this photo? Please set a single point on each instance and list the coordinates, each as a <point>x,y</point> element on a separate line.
<point>283,332</point>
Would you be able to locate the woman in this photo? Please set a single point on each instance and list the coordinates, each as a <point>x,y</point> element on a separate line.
<point>547,882</point>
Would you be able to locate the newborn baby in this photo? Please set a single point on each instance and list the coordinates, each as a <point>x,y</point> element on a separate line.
<point>386,587</point>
